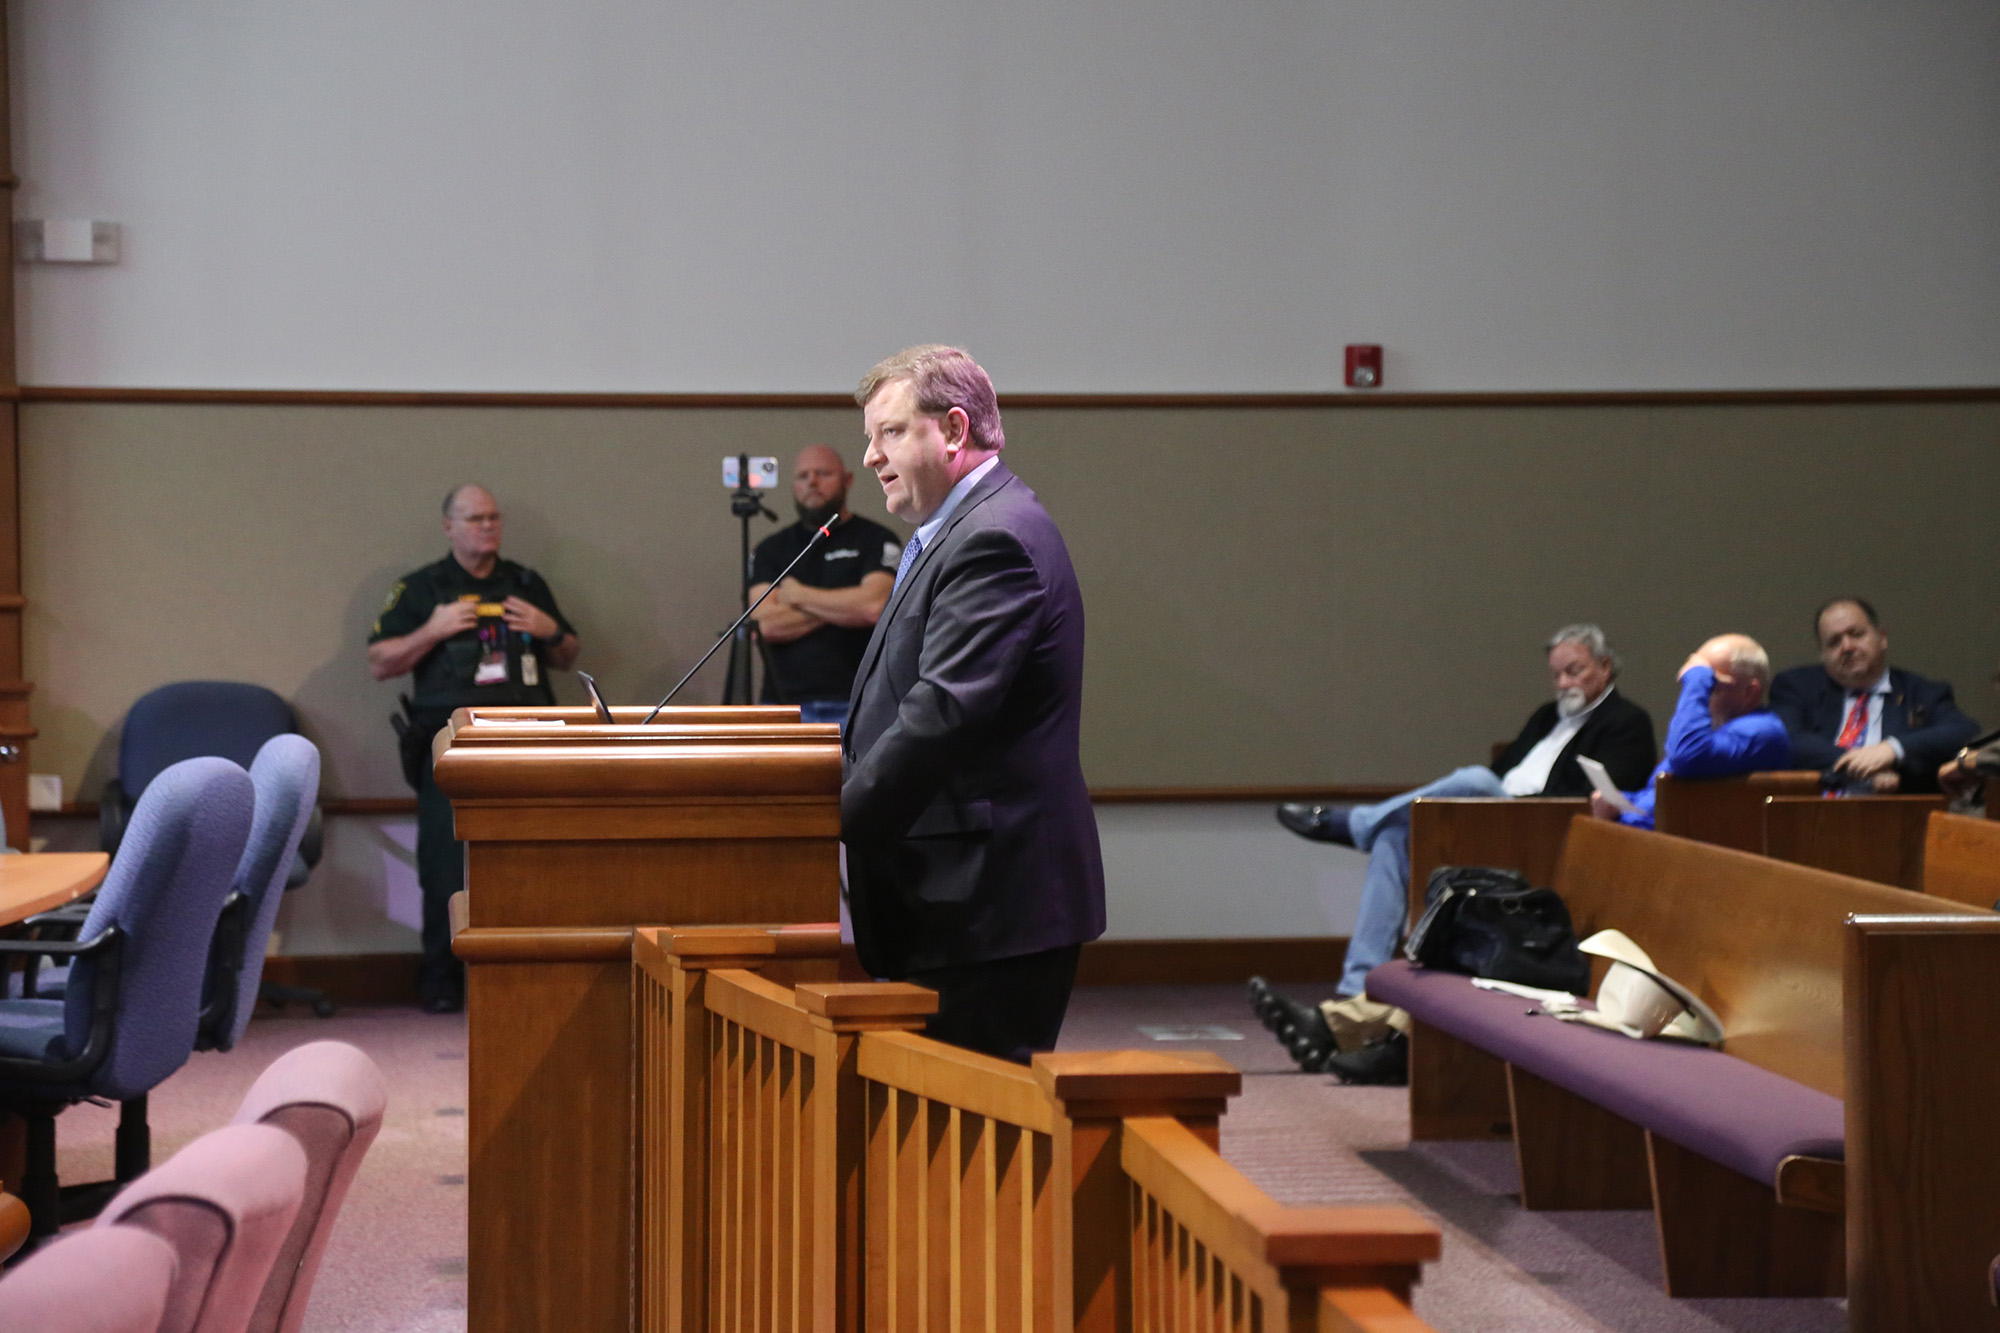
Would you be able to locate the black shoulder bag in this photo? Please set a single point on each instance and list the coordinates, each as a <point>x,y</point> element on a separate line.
<point>1493,923</point>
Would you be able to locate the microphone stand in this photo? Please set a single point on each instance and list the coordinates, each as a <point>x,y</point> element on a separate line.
<point>824,530</point>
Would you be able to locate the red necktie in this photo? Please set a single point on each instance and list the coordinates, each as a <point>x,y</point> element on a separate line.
<point>1856,727</point>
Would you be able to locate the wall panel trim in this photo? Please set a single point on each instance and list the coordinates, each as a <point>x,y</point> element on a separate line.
<point>45,393</point>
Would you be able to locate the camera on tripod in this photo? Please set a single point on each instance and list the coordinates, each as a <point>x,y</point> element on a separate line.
<point>747,478</point>
<point>742,472</point>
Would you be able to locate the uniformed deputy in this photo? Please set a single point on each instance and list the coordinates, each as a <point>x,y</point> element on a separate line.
<point>818,621</point>
<point>475,630</point>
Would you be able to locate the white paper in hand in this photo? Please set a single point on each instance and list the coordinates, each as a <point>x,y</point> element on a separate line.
<point>1600,778</point>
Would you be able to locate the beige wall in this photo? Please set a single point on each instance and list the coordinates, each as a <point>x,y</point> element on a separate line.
<point>1275,596</point>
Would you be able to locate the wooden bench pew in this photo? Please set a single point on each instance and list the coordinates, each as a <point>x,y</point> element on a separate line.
<point>1909,841</point>
<point>1728,812</point>
<point>1879,838</point>
<point>1763,942</point>
<point>1962,859</point>
<point>1923,1217</point>
<point>1526,833</point>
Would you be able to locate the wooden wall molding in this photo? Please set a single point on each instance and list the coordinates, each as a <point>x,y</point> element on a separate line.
<point>49,393</point>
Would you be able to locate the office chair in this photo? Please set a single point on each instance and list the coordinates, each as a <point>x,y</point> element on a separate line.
<point>225,1203</point>
<point>132,1001</point>
<point>198,717</point>
<point>286,777</point>
<point>111,1281</point>
<point>331,1098</point>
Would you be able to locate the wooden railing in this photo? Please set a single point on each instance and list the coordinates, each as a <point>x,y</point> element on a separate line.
<point>962,1198</point>
<point>675,1130</point>
<point>808,1161</point>
<point>1212,1251</point>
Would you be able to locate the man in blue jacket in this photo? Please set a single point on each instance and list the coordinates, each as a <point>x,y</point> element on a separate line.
<point>1874,727</point>
<point>1720,727</point>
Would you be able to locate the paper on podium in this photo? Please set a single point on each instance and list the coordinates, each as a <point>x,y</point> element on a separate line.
<point>1600,778</point>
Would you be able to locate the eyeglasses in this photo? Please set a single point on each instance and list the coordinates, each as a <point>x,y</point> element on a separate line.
<point>492,517</point>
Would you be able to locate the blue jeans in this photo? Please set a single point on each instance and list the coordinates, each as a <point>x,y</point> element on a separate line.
<point>823,710</point>
<point>1383,831</point>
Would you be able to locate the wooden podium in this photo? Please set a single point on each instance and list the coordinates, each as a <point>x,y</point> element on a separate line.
<point>576,833</point>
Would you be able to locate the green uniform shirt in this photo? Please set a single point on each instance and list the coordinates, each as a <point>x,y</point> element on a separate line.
<point>447,676</point>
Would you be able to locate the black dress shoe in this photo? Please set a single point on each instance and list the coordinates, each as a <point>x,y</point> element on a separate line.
<point>1385,1063</point>
<point>442,1002</point>
<point>1321,823</point>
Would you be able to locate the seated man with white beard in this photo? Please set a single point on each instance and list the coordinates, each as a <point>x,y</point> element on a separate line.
<point>1587,717</point>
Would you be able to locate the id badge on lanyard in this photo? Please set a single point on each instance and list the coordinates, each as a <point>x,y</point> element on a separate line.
<point>492,645</point>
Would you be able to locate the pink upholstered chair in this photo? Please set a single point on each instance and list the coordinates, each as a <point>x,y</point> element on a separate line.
<point>225,1204</point>
<point>330,1097</point>
<point>113,1280</point>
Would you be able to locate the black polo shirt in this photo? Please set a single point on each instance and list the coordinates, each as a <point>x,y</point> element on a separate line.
<point>821,665</point>
<point>446,677</point>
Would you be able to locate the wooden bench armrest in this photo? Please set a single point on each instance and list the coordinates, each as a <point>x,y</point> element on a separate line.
<point>1817,1183</point>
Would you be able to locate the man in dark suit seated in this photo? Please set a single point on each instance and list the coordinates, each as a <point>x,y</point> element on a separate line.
<point>1588,716</point>
<point>1870,726</point>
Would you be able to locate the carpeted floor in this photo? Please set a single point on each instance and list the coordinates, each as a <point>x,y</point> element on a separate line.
<point>397,1261</point>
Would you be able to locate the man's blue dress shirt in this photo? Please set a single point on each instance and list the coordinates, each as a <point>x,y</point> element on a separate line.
<point>1697,748</point>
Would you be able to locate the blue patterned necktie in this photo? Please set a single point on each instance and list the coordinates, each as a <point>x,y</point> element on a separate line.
<point>910,554</point>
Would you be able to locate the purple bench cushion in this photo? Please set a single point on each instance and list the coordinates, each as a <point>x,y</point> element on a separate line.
<point>1730,1111</point>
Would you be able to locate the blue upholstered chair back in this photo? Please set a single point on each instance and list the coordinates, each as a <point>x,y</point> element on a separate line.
<point>197,717</point>
<point>286,776</point>
<point>164,891</point>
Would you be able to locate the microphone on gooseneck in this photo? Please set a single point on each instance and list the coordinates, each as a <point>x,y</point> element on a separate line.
<point>825,529</point>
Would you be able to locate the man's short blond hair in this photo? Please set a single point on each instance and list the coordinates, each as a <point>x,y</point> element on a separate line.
<point>942,378</point>
<point>1747,657</point>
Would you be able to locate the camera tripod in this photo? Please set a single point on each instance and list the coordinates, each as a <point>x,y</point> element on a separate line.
<point>746,502</point>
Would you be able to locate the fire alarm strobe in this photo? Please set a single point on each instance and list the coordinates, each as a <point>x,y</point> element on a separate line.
<point>1364,365</point>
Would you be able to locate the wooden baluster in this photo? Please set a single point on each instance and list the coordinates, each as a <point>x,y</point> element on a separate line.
<point>1050,1299</point>
<point>972,1186</point>
<point>941,1222</point>
<point>1013,1210</point>
<point>840,1125</point>
<point>1095,1090</point>
<point>878,1240</point>
<point>784,1199</point>
<point>648,1147</point>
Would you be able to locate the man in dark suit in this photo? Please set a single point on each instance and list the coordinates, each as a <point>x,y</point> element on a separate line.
<point>972,857</point>
<point>1587,717</point>
<point>1873,727</point>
